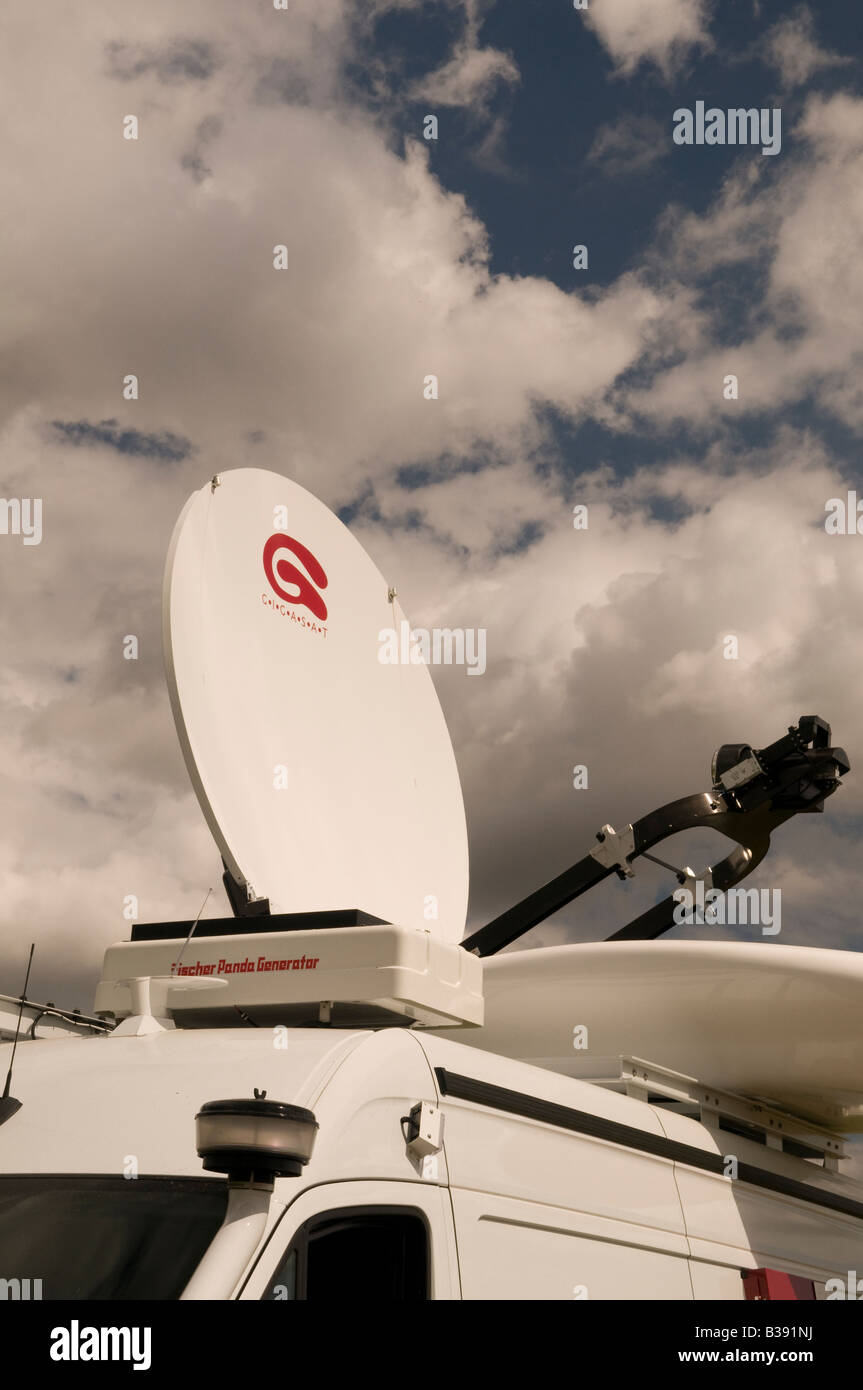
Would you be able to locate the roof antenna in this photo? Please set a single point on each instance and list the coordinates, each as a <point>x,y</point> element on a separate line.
<point>8,1104</point>
<point>176,967</point>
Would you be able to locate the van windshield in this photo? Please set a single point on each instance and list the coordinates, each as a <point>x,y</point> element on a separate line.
<point>104,1236</point>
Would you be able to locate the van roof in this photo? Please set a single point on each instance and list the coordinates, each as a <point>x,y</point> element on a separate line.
<point>87,1102</point>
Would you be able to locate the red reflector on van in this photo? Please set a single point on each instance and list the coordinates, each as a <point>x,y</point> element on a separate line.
<point>772,1285</point>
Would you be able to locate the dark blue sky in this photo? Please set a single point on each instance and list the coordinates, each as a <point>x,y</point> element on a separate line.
<point>552,197</point>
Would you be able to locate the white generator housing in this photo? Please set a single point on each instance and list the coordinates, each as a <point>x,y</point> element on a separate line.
<point>351,976</point>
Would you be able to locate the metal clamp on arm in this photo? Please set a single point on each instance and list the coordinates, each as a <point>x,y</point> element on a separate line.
<point>615,851</point>
<point>754,792</point>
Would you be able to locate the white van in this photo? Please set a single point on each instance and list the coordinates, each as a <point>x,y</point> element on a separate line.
<point>527,1184</point>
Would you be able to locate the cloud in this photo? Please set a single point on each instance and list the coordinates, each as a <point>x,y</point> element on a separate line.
<point>798,336</point>
<point>208,130</point>
<point>630,145</point>
<point>181,60</point>
<point>791,46</point>
<point>222,343</point>
<point>663,32</point>
<point>469,78</point>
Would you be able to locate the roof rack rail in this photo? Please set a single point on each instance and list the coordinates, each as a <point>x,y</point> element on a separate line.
<point>755,1119</point>
<point>56,1020</point>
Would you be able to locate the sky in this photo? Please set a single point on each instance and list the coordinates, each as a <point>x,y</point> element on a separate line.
<point>601,385</point>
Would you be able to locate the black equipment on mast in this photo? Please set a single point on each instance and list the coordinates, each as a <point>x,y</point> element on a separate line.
<point>754,791</point>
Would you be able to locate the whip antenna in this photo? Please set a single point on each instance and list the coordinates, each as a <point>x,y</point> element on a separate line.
<point>8,1104</point>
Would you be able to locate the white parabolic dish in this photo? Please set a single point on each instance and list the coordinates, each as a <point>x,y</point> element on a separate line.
<point>327,778</point>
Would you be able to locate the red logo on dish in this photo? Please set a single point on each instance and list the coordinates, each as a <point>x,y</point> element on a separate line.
<point>288,573</point>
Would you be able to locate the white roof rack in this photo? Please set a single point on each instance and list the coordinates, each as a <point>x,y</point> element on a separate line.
<point>725,1110</point>
<point>43,1020</point>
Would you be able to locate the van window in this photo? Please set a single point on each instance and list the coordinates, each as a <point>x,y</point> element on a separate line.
<point>369,1252</point>
<point>101,1236</point>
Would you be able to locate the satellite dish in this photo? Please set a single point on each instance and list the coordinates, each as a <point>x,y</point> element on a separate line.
<point>327,778</point>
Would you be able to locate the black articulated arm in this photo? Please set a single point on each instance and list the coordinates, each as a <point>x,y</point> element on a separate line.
<point>753,792</point>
